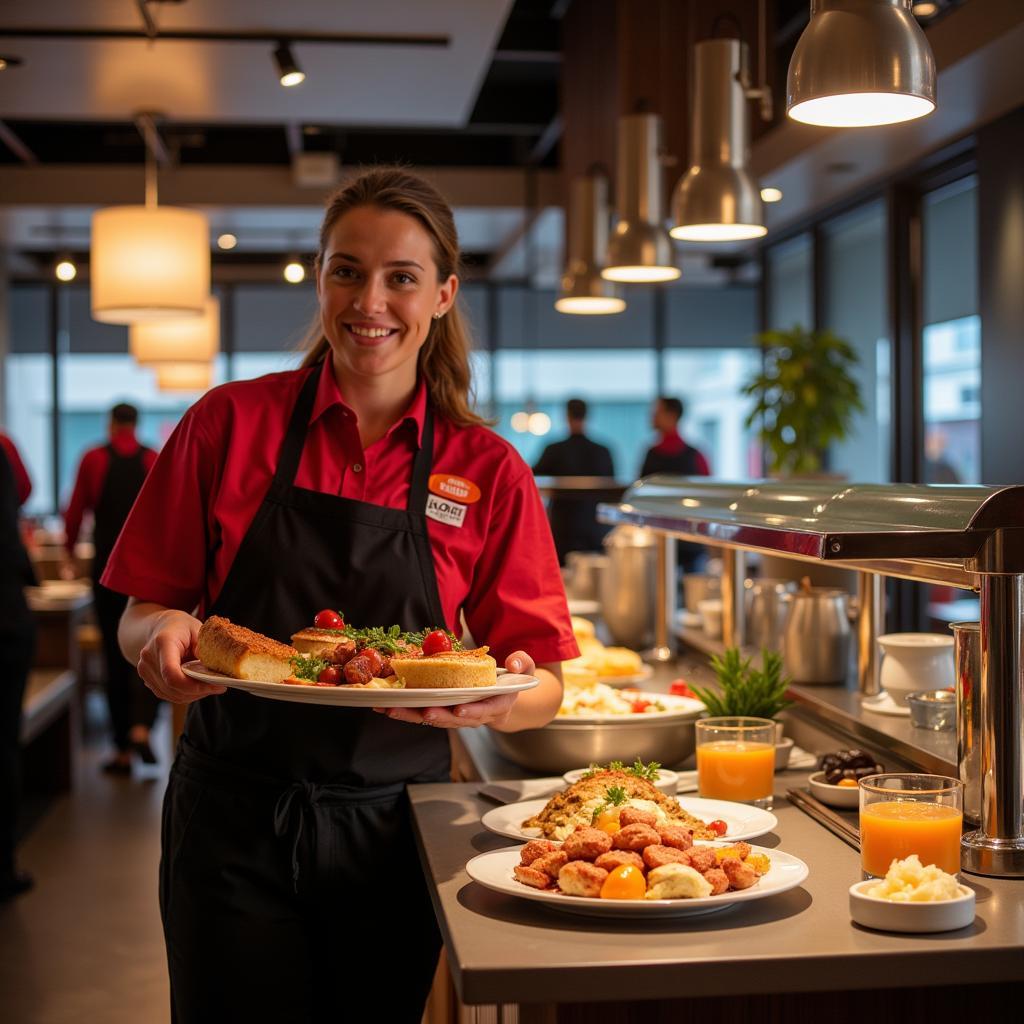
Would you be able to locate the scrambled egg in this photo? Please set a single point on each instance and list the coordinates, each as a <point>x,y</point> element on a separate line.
<point>908,881</point>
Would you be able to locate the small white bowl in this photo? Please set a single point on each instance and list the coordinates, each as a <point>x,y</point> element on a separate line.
<point>667,780</point>
<point>711,612</point>
<point>893,916</point>
<point>783,749</point>
<point>834,796</point>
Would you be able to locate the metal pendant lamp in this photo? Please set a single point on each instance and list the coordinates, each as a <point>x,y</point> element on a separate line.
<point>860,63</point>
<point>717,200</point>
<point>191,340</point>
<point>584,291</point>
<point>640,249</point>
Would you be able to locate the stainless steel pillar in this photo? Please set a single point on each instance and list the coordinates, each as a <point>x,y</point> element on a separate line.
<point>870,623</point>
<point>997,848</point>
<point>667,589</point>
<point>733,626</point>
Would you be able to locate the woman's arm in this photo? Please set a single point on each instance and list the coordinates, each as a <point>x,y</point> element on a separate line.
<point>158,639</point>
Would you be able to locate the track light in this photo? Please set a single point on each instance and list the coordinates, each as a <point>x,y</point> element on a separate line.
<point>227,241</point>
<point>771,194</point>
<point>288,71</point>
<point>294,271</point>
<point>65,269</point>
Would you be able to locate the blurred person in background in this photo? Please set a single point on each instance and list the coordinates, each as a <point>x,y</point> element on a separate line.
<point>109,479</point>
<point>17,645</point>
<point>574,517</point>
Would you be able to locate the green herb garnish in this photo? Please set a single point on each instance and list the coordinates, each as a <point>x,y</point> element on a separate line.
<point>615,796</point>
<point>391,640</point>
<point>757,693</point>
<point>648,772</point>
<point>308,667</point>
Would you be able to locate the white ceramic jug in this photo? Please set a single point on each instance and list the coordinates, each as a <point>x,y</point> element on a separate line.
<point>915,661</point>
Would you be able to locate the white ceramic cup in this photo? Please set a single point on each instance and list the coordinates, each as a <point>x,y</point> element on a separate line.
<point>915,661</point>
<point>711,612</point>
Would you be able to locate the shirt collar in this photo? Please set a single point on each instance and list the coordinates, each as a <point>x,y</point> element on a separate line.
<point>328,395</point>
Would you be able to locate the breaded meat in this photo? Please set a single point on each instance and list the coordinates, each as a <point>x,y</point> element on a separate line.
<point>635,837</point>
<point>578,878</point>
<point>587,844</point>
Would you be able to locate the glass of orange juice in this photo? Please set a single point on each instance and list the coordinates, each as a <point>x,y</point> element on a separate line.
<point>901,814</point>
<point>736,759</point>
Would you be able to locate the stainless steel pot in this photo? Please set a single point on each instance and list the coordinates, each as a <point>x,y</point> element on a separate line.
<point>628,593</point>
<point>697,586</point>
<point>766,611</point>
<point>564,744</point>
<point>585,571</point>
<point>816,637</point>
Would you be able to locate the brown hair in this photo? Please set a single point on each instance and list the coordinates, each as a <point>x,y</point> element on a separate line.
<point>444,357</point>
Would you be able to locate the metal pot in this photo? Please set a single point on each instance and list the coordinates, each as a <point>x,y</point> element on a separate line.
<point>585,571</point>
<point>766,611</point>
<point>628,586</point>
<point>697,586</point>
<point>816,636</point>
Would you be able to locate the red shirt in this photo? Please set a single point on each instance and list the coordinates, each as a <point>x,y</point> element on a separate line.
<point>182,536</point>
<point>22,482</point>
<point>672,444</point>
<point>92,473</point>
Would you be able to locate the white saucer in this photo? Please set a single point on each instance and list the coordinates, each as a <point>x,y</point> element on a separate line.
<point>883,704</point>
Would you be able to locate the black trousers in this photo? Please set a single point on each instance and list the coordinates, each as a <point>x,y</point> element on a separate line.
<point>130,701</point>
<point>16,650</point>
<point>291,902</point>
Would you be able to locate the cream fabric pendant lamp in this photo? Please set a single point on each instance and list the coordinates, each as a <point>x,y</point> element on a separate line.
<point>640,249</point>
<point>184,376</point>
<point>192,340</point>
<point>860,63</point>
<point>584,291</point>
<point>717,199</point>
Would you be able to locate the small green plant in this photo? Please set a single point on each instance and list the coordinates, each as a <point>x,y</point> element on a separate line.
<point>806,397</point>
<point>757,693</point>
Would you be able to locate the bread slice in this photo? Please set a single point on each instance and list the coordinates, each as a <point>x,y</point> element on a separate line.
<point>322,642</point>
<point>243,653</point>
<point>448,670</point>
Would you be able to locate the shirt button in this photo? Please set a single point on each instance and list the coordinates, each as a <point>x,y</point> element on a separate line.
<point>357,467</point>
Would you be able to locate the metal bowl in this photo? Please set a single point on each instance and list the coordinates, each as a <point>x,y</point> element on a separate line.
<point>565,744</point>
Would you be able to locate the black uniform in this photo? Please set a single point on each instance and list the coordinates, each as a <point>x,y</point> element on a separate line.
<point>129,701</point>
<point>17,645</point>
<point>290,886</point>
<point>573,518</point>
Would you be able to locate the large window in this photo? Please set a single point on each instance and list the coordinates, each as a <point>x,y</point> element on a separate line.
<point>790,284</point>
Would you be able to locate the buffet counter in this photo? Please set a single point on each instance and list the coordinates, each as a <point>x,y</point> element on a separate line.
<point>503,950</point>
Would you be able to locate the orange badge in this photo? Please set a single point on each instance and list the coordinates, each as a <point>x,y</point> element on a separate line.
<point>457,487</point>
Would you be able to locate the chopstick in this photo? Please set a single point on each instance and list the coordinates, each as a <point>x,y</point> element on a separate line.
<point>814,808</point>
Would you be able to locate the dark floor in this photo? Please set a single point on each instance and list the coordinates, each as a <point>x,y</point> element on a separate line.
<point>85,946</point>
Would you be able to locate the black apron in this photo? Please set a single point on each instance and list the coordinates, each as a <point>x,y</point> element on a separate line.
<point>290,880</point>
<point>121,485</point>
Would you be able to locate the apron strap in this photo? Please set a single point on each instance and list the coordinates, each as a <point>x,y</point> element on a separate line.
<point>298,427</point>
<point>421,465</point>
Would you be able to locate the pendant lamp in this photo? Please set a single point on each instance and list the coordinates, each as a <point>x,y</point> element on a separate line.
<point>584,290</point>
<point>859,63</point>
<point>192,340</point>
<point>640,249</point>
<point>717,199</point>
<point>184,376</point>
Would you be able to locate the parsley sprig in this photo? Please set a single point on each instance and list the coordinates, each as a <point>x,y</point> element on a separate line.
<point>308,667</point>
<point>614,796</point>
<point>391,640</point>
<point>648,772</point>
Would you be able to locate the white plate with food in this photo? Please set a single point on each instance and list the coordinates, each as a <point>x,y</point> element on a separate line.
<point>600,703</point>
<point>363,696</point>
<point>496,871</point>
<point>741,820</point>
<point>632,679</point>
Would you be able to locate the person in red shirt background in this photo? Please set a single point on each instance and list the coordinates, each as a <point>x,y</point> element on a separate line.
<point>361,482</point>
<point>22,481</point>
<point>108,482</point>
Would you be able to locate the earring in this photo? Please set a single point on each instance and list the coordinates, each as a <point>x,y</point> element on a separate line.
<point>437,316</point>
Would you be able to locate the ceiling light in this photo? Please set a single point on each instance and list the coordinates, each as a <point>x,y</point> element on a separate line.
<point>294,271</point>
<point>288,71</point>
<point>717,199</point>
<point>227,241</point>
<point>184,376</point>
<point>640,249</point>
<point>520,422</point>
<point>770,194</point>
<point>584,290</point>
<point>539,423</point>
<point>860,63</point>
<point>65,269</point>
<point>924,10</point>
<point>192,340</point>
<point>7,61</point>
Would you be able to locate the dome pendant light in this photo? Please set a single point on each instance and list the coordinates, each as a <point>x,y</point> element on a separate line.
<point>860,63</point>
<point>717,200</point>
<point>640,249</point>
<point>584,290</point>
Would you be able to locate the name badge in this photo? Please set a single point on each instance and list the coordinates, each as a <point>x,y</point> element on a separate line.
<point>443,510</point>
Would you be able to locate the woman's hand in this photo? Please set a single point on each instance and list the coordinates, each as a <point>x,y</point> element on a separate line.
<point>493,711</point>
<point>172,640</point>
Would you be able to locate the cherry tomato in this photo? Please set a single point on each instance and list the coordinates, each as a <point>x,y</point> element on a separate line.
<point>437,642</point>
<point>640,706</point>
<point>625,882</point>
<point>718,826</point>
<point>330,676</point>
<point>328,619</point>
<point>680,688</point>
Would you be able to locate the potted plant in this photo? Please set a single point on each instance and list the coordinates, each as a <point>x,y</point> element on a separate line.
<point>806,397</point>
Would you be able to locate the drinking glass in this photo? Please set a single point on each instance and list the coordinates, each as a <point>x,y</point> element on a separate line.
<point>736,759</point>
<point>905,813</point>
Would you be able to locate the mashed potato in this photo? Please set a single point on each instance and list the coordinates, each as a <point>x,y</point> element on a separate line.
<point>908,881</point>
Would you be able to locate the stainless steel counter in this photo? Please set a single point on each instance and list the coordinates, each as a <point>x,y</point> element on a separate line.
<point>504,950</point>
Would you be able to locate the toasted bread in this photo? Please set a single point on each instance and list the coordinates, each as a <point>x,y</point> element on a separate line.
<point>448,670</point>
<point>242,653</point>
<point>322,643</point>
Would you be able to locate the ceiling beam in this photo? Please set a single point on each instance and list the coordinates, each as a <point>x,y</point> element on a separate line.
<point>234,36</point>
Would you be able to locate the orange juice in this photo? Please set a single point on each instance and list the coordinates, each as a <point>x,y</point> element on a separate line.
<point>731,770</point>
<point>894,829</point>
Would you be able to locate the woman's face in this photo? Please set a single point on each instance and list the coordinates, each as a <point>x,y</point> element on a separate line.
<point>379,290</point>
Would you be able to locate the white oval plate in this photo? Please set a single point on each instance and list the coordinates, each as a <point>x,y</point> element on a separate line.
<point>883,704</point>
<point>743,821</point>
<point>673,706</point>
<point>360,697</point>
<point>494,871</point>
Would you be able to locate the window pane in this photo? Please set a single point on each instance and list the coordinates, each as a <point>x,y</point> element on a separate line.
<point>790,284</point>
<point>855,306</point>
<point>951,336</point>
